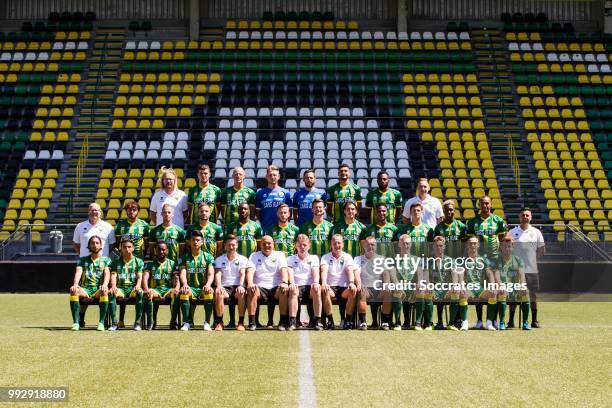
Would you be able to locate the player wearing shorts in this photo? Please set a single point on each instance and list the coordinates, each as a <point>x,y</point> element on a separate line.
<point>161,274</point>
<point>303,198</point>
<point>247,231</point>
<point>350,228</point>
<point>269,198</point>
<point>510,270</point>
<point>267,279</point>
<point>441,272</point>
<point>233,196</point>
<point>342,192</point>
<point>383,232</point>
<point>230,275</point>
<point>91,279</point>
<point>283,233</point>
<point>126,282</point>
<point>204,192</point>
<point>196,274</point>
<point>365,276</point>
<point>304,271</point>
<point>475,270</point>
<point>453,230</point>
<point>212,233</point>
<point>384,195</point>
<point>420,233</point>
<point>318,230</point>
<point>170,233</point>
<point>338,282</point>
<point>134,229</point>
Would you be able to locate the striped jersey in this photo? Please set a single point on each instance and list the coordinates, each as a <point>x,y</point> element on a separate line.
<point>338,195</point>
<point>196,267</point>
<point>454,234</point>
<point>173,236</point>
<point>127,271</point>
<point>231,199</point>
<point>284,238</point>
<point>319,234</point>
<point>247,235</point>
<point>160,274</point>
<point>475,269</point>
<point>487,230</point>
<point>137,232</point>
<point>210,195</point>
<point>93,270</point>
<point>392,198</point>
<point>350,233</point>
<point>420,236</point>
<point>211,235</point>
<point>440,270</point>
<point>508,269</point>
<point>385,236</point>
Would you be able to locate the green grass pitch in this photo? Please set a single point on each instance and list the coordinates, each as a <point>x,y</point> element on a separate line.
<point>566,363</point>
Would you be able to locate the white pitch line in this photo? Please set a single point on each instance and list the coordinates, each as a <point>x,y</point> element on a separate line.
<point>307,390</point>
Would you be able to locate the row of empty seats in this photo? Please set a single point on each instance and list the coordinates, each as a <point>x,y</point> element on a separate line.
<point>343,35</point>
<point>574,47</point>
<point>56,155</point>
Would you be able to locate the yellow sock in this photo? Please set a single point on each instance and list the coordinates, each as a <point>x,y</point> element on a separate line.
<point>74,298</point>
<point>103,299</point>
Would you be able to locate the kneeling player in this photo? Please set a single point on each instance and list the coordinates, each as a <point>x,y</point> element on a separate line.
<point>164,283</point>
<point>230,274</point>
<point>93,273</point>
<point>338,282</point>
<point>303,271</point>
<point>267,279</point>
<point>126,282</point>
<point>196,275</point>
<point>510,270</point>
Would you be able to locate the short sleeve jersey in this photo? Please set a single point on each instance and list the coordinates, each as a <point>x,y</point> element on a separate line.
<point>508,268</point>
<point>337,268</point>
<point>177,200</point>
<point>302,202</point>
<point>267,268</point>
<point>247,235</point>
<point>487,230</point>
<point>337,195</point>
<point>432,209</point>
<point>173,236</point>
<point>267,201</point>
<point>319,235</point>
<point>284,238</point>
<point>160,274</point>
<point>212,234</point>
<point>302,268</point>
<point>127,271</point>
<point>526,245</point>
<point>420,236</point>
<point>365,269</point>
<point>350,234</point>
<point>137,232</point>
<point>84,231</point>
<point>93,270</point>
<point>392,198</point>
<point>230,269</point>
<point>231,199</point>
<point>475,269</point>
<point>210,195</point>
<point>196,267</point>
<point>454,234</point>
<point>440,270</point>
<point>384,235</point>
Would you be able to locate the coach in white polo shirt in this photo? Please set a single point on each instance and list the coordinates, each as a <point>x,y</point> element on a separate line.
<point>432,207</point>
<point>529,246</point>
<point>94,225</point>
<point>304,273</point>
<point>267,279</point>
<point>171,195</point>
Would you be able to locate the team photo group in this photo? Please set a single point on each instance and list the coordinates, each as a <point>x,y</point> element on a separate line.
<point>240,248</point>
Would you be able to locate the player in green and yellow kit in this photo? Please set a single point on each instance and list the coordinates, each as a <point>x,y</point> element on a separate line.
<point>233,196</point>
<point>283,233</point>
<point>203,192</point>
<point>420,233</point>
<point>488,227</point>
<point>212,233</point>
<point>91,280</point>
<point>247,232</point>
<point>442,272</point>
<point>382,230</point>
<point>350,228</point>
<point>342,192</point>
<point>134,229</point>
<point>453,231</point>
<point>126,282</point>
<point>170,233</point>
<point>510,270</point>
<point>318,230</point>
<point>384,195</point>
<point>196,274</point>
<point>159,281</point>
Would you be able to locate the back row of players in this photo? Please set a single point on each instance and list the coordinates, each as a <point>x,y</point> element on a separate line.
<point>423,218</point>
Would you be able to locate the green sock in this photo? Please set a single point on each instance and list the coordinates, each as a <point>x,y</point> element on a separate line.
<point>208,310</point>
<point>113,309</point>
<point>429,308</point>
<point>525,309</point>
<point>149,310</point>
<point>139,306</point>
<point>420,306</point>
<point>491,311</point>
<point>501,308</point>
<point>454,308</point>
<point>174,308</point>
<point>103,309</point>
<point>463,312</point>
<point>74,309</point>
<point>185,310</point>
<point>397,311</point>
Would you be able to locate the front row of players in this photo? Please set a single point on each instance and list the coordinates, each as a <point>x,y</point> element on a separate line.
<point>268,276</point>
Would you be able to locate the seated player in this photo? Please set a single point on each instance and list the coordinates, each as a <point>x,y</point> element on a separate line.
<point>196,274</point>
<point>91,279</point>
<point>475,270</point>
<point>304,271</point>
<point>230,275</point>
<point>126,282</point>
<point>338,282</point>
<point>267,279</point>
<point>164,284</point>
<point>364,279</point>
<point>509,270</point>
<point>442,273</point>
